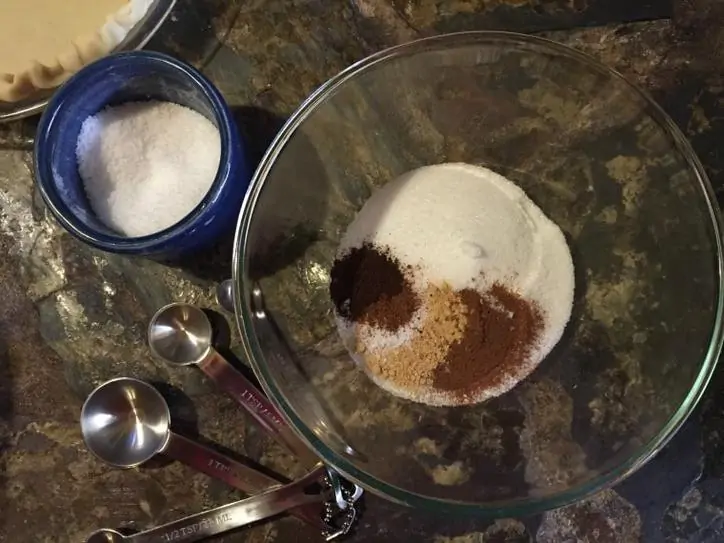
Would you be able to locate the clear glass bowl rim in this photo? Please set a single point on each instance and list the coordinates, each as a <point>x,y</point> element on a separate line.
<point>254,351</point>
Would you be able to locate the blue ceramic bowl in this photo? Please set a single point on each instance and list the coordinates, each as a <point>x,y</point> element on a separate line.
<point>125,77</point>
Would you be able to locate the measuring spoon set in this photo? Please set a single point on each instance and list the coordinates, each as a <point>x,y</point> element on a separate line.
<point>125,422</point>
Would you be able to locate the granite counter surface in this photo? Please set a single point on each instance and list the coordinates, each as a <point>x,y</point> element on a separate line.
<point>71,317</point>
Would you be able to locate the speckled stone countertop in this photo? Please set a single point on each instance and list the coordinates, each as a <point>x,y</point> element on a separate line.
<point>71,317</point>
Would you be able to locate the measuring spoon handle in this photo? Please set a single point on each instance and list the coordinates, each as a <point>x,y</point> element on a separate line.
<point>233,473</point>
<point>234,515</point>
<point>233,382</point>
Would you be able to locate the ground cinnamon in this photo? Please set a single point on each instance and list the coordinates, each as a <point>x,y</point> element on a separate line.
<point>370,286</point>
<point>501,330</point>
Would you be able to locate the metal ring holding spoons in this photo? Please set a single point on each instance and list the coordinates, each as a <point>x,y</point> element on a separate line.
<point>125,422</point>
<point>181,334</point>
<point>224,518</point>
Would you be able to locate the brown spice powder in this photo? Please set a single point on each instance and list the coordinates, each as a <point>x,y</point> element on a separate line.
<point>370,286</point>
<point>467,342</point>
<point>502,328</point>
<point>413,364</point>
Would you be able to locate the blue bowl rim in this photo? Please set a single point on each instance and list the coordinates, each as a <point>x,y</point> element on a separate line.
<point>120,243</point>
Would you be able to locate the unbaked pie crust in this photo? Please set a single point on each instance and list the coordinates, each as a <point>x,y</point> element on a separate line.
<point>43,42</point>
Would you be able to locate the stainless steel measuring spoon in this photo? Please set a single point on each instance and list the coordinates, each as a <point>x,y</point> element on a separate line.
<point>125,422</point>
<point>225,295</point>
<point>325,426</point>
<point>224,518</point>
<point>181,334</point>
<point>225,299</point>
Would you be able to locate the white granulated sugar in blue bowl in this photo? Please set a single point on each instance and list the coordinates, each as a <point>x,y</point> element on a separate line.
<point>146,165</point>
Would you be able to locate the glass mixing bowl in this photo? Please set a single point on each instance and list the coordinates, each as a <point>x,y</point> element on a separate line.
<point>602,160</point>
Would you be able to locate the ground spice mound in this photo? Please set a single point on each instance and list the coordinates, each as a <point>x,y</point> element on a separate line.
<point>370,286</point>
<point>502,329</point>
<point>441,345</point>
<point>413,364</point>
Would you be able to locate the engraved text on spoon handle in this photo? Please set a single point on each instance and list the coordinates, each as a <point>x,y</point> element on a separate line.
<point>233,473</point>
<point>234,515</point>
<point>234,383</point>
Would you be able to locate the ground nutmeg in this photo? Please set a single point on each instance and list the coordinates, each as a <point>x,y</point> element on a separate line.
<point>370,286</point>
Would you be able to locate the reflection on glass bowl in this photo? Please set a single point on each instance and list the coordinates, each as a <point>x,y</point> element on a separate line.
<point>601,160</point>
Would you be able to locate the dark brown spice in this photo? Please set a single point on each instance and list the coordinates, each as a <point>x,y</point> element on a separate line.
<point>369,285</point>
<point>502,328</point>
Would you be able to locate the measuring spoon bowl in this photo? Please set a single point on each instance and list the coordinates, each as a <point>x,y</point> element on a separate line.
<point>105,535</point>
<point>225,295</point>
<point>125,422</point>
<point>180,334</point>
